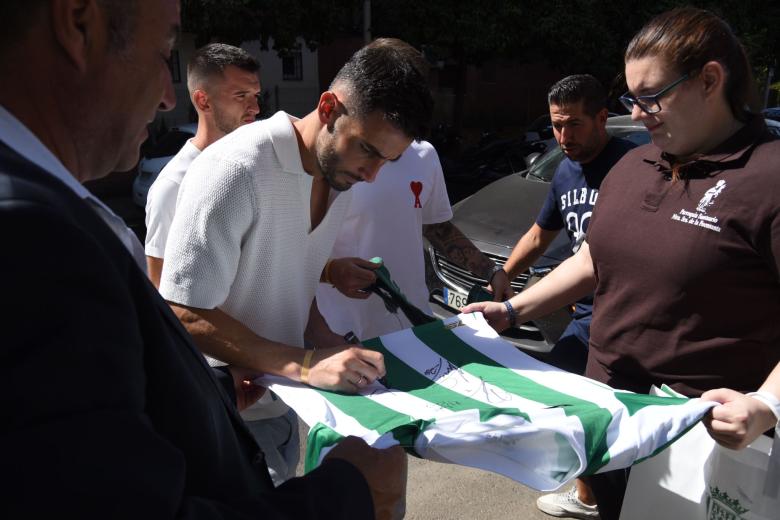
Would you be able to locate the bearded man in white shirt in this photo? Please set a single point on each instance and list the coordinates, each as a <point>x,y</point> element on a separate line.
<point>256,218</point>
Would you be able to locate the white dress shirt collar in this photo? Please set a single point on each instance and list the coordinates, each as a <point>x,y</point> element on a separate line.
<point>20,139</point>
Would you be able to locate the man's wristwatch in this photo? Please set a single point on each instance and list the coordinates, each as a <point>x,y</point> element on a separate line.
<point>493,271</point>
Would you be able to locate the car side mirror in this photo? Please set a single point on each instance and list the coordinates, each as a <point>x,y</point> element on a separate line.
<point>531,158</point>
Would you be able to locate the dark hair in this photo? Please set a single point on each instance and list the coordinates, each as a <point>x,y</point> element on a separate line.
<point>20,15</point>
<point>579,87</point>
<point>688,38</point>
<point>212,60</point>
<point>389,76</point>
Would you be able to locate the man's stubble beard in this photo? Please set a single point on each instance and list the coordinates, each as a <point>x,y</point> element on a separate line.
<point>587,150</point>
<point>328,160</point>
<point>223,124</point>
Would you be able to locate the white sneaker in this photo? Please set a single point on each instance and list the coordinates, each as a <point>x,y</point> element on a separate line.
<point>566,505</point>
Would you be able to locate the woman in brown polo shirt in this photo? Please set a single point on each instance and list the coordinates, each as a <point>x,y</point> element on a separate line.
<point>683,249</point>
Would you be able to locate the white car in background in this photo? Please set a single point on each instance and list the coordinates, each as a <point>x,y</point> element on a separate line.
<point>154,161</point>
<point>773,126</point>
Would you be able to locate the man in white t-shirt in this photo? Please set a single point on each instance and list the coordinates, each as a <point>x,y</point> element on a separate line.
<point>388,218</point>
<point>223,85</point>
<point>258,213</point>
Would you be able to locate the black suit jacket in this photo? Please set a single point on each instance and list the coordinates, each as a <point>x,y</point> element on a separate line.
<point>108,409</point>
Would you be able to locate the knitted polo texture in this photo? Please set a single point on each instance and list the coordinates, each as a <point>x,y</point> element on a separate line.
<point>241,239</point>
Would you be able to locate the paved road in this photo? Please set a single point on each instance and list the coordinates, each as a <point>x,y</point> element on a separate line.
<point>444,491</point>
<point>447,492</point>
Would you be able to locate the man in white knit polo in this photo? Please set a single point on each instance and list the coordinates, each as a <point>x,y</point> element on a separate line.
<point>223,85</point>
<point>256,219</point>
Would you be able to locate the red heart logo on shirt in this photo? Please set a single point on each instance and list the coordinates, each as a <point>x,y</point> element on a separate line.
<point>416,187</point>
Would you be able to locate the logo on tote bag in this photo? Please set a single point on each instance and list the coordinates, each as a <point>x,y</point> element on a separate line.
<point>720,506</point>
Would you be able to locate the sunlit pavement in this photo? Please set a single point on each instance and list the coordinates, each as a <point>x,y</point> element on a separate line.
<point>448,492</point>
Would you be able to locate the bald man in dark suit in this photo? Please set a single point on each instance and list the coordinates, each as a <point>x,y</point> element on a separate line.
<point>109,411</point>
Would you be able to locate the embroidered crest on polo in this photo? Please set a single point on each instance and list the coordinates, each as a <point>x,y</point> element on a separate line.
<point>710,195</point>
<point>699,217</point>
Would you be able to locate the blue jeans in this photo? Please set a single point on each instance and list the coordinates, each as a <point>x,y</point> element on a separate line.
<point>570,353</point>
<point>278,438</point>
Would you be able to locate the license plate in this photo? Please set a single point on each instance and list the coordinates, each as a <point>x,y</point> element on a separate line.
<point>455,299</point>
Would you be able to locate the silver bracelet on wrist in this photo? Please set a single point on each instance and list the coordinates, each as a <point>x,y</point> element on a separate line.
<point>512,313</point>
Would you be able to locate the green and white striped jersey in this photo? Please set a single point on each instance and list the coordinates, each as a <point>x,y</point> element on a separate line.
<point>462,395</point>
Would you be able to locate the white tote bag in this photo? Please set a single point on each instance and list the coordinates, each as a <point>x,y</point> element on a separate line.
<point>745,484</point>
<point>696,479</point>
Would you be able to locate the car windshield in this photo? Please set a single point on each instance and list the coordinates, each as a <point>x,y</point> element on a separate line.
<point>544,167</point>
<point>169,144</point>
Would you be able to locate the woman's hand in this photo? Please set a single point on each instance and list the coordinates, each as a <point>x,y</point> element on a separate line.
<point>739,420</point>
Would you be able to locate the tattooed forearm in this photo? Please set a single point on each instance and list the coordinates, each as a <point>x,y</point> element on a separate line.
<point>458,249</point>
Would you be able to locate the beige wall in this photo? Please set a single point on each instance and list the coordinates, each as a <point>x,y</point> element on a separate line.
<point>295,97</point>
